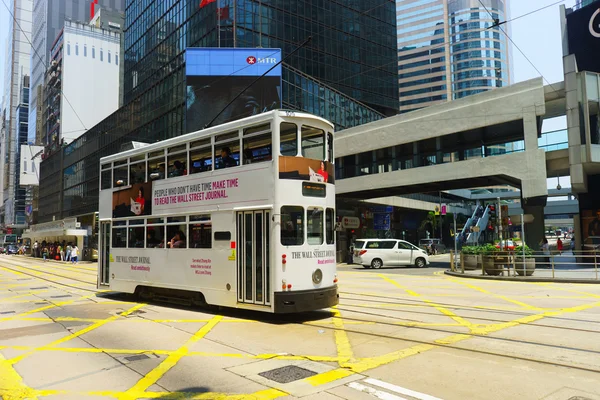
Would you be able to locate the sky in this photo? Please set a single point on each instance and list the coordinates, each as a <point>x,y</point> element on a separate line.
<point>537,35</point>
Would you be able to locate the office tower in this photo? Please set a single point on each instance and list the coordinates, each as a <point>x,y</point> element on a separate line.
<point>15,97</point>
<point>48,20</point>
<point>347,74</point>
<point>449,49</point>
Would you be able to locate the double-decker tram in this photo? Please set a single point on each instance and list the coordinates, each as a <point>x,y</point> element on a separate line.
<point>238,215</point>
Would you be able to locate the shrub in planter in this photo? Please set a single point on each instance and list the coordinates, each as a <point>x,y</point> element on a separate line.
<point>470,256</point>
<point>524,266</point>
<point>493,259</point>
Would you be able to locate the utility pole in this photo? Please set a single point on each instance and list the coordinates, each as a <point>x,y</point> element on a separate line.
<point>500,223</point>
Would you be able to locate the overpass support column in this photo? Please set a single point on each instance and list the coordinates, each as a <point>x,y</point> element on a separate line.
<point>536,230</point>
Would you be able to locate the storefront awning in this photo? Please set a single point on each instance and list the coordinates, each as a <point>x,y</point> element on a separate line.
<point>55,233</point>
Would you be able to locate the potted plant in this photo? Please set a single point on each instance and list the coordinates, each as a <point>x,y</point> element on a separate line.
<point>524,261</point>
<point>470,256</point>
<point>493,259</point>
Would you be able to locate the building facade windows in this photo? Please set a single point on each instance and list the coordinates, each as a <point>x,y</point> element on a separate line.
<point>347,75</point>
<point>472,45</point>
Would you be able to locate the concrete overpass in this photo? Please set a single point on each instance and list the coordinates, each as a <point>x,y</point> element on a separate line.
<point>466,143</point>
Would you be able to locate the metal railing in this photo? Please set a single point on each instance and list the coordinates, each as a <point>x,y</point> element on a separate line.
<point>565,265</point>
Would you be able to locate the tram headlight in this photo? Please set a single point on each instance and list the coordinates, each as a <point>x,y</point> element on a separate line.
<point>317,276</point>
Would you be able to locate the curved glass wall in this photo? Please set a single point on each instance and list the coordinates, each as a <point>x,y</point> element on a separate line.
<point>448,50</point>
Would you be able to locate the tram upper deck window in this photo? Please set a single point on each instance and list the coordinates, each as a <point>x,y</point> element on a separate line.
<point>292,225</point>
<point>200,159</point>
<point>288,139</point>
<point>106,177</point>
<point>156,165</point>
<point>177,161</point>
<point>257,144</point>
<point>330,147</point>
<point>227,150</point>
<point>121,174</point>
<point>313,143</point>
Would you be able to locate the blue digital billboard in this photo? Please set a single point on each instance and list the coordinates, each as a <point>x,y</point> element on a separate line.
<point>215,76</point>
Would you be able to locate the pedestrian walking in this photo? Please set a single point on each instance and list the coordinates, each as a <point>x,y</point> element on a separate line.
<point>61,251</point>
<point>559,246</point>
<point>45,253</point>
<point>36,249</point>
<point>74,254</point>
<point>69,248</point>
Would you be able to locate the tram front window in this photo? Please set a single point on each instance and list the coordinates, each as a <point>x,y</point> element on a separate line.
<point>292,226</point>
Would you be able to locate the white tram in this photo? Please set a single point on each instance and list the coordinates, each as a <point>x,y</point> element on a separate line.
<point>238,215</point>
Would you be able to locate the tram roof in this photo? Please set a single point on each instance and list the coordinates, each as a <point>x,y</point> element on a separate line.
<point>223,128</point>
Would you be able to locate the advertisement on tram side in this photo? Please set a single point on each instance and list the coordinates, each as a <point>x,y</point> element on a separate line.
<point>132,201</point>
<point>216,77</point>
<point>306,169</point>
<point>249,187</point>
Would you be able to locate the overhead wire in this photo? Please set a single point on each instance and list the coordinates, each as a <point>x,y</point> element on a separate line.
<point>42,60</point>
<point>518,48</point>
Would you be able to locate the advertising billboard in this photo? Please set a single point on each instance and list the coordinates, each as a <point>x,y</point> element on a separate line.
<point>215,76</point>
<point>31,156</point>
<point>583,33</point>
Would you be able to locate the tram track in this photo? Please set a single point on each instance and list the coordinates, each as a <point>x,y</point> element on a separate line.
<point>450,306</point>
<point>440,344</point>
<point>20,268</point>
<point>349,308</point>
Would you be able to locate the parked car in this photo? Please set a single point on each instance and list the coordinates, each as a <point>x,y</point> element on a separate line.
<point>432,246</point>
<point>376,253</point>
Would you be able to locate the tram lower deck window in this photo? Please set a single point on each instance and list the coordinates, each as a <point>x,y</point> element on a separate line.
<point>292,225</point>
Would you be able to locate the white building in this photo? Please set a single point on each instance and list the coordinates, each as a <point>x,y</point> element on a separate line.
<point>82,81</point>
<point>16,72</point>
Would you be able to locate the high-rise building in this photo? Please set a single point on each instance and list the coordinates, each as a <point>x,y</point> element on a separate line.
<point>347,74</point>
<point>449,49</point>
<point>16,79</point>
<point>48,20</point>
<point>81,83</point>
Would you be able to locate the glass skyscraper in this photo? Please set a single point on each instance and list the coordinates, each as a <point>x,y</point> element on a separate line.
<point>449,49</point>
<point>347,74</point>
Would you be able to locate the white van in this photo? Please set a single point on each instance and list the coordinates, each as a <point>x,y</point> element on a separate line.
<point>376,253</point>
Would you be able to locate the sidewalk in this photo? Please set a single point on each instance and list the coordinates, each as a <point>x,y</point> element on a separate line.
<point>559,268</point>
<point>52,261</point>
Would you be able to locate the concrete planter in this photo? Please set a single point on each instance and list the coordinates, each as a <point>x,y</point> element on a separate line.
<point>494,264</point>
<point>471,262</point>
<point>529,266</point>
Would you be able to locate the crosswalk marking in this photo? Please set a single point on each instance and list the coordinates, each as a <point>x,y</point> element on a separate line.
<point>401,390</point>
<point>385,395</point>
<point>374,392</point>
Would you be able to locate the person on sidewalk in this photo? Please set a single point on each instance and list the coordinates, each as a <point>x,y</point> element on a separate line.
<point>559,246</point>
<point>69,248</point>
<point>45,253</point>
<point>74,254</point>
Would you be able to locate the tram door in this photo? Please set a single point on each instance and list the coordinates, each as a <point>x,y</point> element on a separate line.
<point>253,269</point>
<point>104,253</point>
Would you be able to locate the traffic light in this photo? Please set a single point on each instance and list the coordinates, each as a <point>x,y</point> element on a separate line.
<point>492,211</point>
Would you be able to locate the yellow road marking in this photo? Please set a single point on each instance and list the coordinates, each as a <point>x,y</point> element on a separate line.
<point>330,376</point>
<point>15,360</point>
<point>11,383</point>
<point>438,307</point>
<point>507,299</point>
<point>169,352</point>
<point>153,376</point>
<point>342,342</point>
